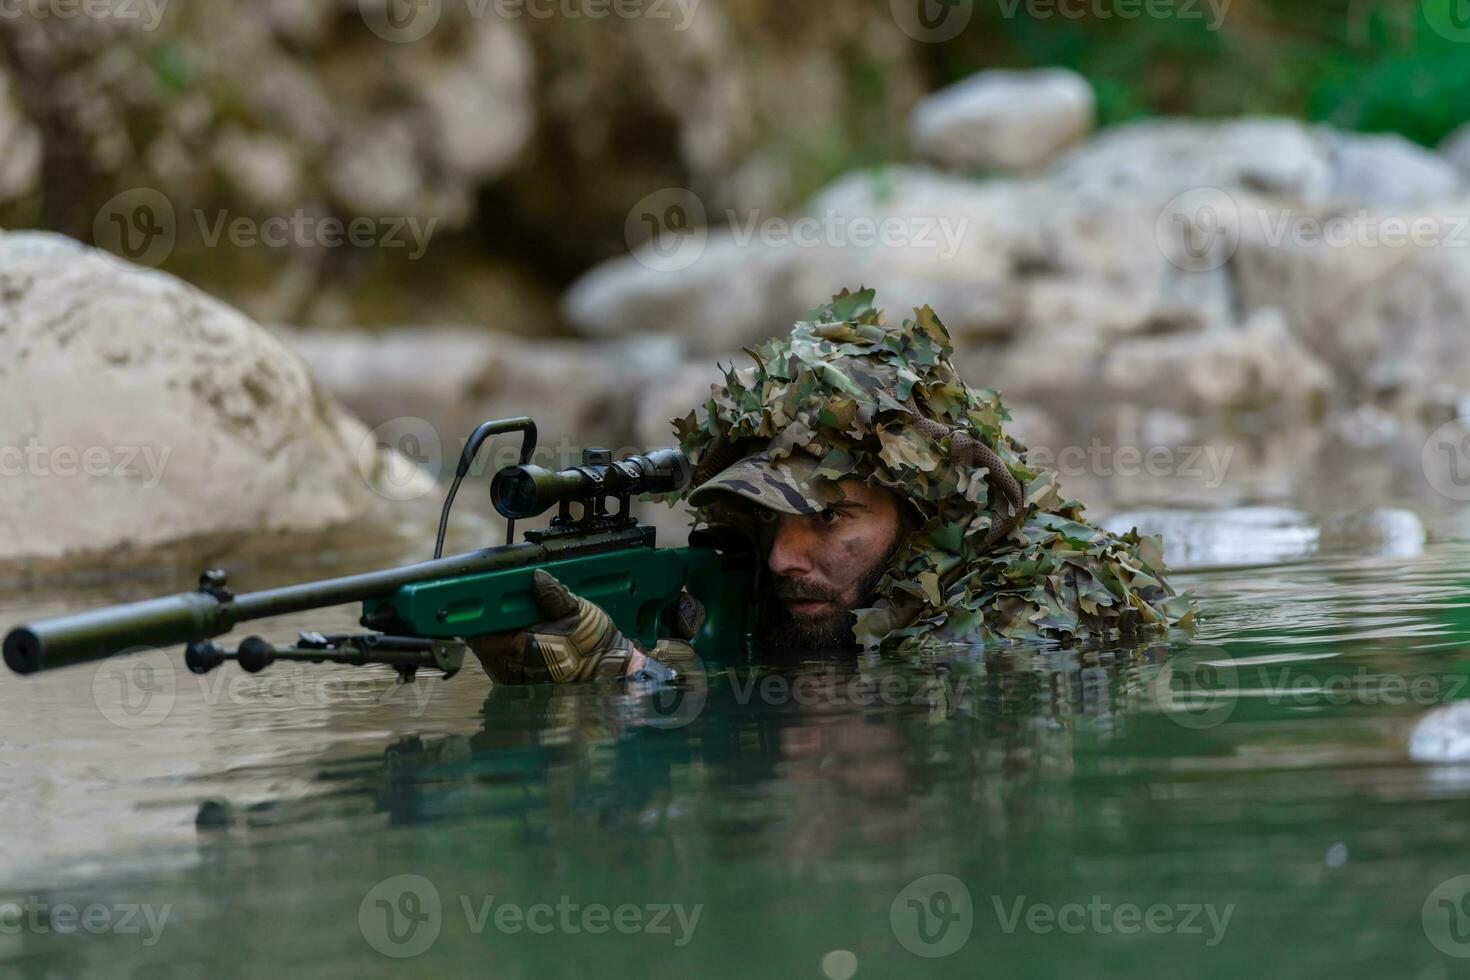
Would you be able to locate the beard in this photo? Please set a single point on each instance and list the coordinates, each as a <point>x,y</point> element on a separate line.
<point>778,629</point>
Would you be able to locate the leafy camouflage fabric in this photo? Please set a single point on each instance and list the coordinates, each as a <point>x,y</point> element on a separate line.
<point>838,387</point>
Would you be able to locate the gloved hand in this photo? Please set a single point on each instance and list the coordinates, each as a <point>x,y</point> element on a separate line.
<point>577,641</point>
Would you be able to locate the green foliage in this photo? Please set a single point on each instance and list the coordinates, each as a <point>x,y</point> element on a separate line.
<point>1372,65</point>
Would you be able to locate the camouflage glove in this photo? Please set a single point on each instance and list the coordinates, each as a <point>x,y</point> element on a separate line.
<point>578,641</point>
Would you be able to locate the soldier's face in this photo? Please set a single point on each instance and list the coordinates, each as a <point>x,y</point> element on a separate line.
<point>823,566</point>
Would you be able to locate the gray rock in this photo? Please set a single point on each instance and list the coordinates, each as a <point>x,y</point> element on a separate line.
<point>1264,535</point>
<point>137,412</point>
<point>1386,169</point>
<point>1442,735</point>
<point>1158,159</point>
<point>1007,120</point>
<point>1239,536</point>
<point>1456,149</point>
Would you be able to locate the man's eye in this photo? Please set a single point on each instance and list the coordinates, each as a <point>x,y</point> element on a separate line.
<point>830,517</point>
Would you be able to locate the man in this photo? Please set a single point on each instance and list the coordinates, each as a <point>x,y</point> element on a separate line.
<point>888,504</point>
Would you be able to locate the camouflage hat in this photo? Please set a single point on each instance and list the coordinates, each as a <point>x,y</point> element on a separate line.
<point>788,486</point>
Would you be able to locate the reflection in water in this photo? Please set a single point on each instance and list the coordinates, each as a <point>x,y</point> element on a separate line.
<point>1259,768</point>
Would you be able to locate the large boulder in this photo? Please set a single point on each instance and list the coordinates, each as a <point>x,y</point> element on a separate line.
<point>1005,120</point>
<point>137,412</point>
<point>1277,158</point>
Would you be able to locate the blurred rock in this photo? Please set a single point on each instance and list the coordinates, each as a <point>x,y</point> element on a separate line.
<point>453,379</point>
<point>137,412</point>
<point>1456,149</point>
<point>1239,536</point>
<point>1263,535</point>
<point>1157,159</point>
<point>1006,120</point>
<point>1442,735</point>
<point>20,147</point>
<point>1381,297</point>
<point>1389,532</point>
<point>1386,169</point>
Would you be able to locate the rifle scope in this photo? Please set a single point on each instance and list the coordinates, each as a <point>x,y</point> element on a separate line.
<point>529,490</point>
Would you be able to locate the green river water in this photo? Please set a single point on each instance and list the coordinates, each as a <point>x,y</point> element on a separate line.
<point>1241,803</point>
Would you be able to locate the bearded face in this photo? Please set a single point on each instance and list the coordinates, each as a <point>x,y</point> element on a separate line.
<point>821,568</point>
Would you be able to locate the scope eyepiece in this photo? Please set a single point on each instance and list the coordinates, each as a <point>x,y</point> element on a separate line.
<point>529,490</point>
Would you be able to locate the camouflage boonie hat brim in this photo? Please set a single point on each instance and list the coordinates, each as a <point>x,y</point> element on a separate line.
<point>789,485</point>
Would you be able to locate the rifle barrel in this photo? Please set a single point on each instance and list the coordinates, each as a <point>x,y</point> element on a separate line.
<point>184,618</point>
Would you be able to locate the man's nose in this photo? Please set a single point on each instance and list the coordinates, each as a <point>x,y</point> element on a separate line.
<point>791,548</point>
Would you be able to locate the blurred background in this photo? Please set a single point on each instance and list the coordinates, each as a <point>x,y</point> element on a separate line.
<point>1125,211</point>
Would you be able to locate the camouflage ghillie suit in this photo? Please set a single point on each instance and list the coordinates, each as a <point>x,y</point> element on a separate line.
<point>844,396</point>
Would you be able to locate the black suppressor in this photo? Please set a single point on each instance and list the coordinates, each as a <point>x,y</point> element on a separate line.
<point>529,490</point>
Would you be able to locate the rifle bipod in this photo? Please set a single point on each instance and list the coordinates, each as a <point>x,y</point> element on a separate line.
<point>405,654</point>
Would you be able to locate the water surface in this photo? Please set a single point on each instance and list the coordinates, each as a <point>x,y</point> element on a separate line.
<point>1243,802</point>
